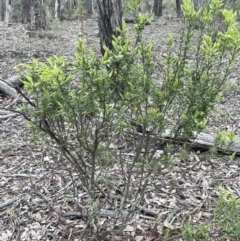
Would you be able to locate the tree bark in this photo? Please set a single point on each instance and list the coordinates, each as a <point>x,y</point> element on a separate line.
<point>178,7</point>
<point>3,9</point>
<point>26,11</point>
<point>59,5</point>
<point>109,17</point>
<point>57,8</point>
<point>89,7</point>
<point>8,14</point>
<point>40,15</point>
<point>157,8</point>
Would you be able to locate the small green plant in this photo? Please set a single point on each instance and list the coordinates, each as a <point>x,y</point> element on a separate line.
<point>195,233</point>
<point>227,214</point>
<point>224,138</point>
<point>11,213</point>
<point>65,199</point>
<point>134,7</point>
<point>81,10</point>
<point>226,219</point>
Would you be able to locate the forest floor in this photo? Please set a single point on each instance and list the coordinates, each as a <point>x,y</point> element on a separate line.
<point>34,186</point>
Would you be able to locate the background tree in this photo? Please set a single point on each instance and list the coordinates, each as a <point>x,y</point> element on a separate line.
<point>157,8</point>
<point>178,7</point>
<point>3,9</point>
<point>8,10</point>
<point>89,7</point>
<point>40,15</point>
<point>109,17</point>
<point>59,5</point>
<point>57,9</point>
<point>26,11</point>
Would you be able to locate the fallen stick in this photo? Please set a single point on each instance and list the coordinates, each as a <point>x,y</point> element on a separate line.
<point>6,203</point>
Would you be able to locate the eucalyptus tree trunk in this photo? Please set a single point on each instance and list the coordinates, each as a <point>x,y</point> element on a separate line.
<point>58,8</point>
<point>26,11</point>
<point>178,7</point>
<point>157,8</point>
<point>8,13</point>
<point>109,17</point>
<point>3,9</point>
<point>89,7</point>
<point>39,14</point>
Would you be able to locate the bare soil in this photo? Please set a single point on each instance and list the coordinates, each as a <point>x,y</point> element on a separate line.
<point>35,187</point>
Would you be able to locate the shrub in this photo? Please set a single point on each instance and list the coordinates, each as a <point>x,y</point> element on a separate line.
<point>191,233</point>
<point>95,110</point>
<point>227,214</point>
<point>226,220</point>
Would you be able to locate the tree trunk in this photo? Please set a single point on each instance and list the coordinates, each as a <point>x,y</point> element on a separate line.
<point>59,5</point>
<point>57,9</point>
<point>26,11</point>
<point>3,10</point>
<point>157,8</point>
<point>178,7</point>
<point>197,4</point>
<point>89,7</point>
<point>40,16</point>
<point>8,14</point>
<point>70,9</point>
<point>109,17</point>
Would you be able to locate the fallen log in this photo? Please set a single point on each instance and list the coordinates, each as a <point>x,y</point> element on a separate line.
<point>206,141</point>
<point>7,89</point>
<point>202,140</point>
<point>7,86</point>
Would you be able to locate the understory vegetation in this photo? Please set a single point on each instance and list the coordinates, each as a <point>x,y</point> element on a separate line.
<point>110,113</point>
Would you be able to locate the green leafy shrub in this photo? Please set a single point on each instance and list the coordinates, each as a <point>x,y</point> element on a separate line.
<point>196,74</point>
<point>95,109</point>
<point>191,233</point>
<point>225,222</point>
<point>227,214</point>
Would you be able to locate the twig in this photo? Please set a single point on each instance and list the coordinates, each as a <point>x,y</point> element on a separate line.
<point>193,165</point>
<point>13,102</point>
<point>70,234</point>
<point>172,238</point>
<point>25,97</point>
<point>102,213</point>
<point>18,175</point>
<point>14,228</point>
<point>8,116</point>
<point>68,184</point>
<point>18,112</point>
<point>148,211</point>
<point>6,203</point>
